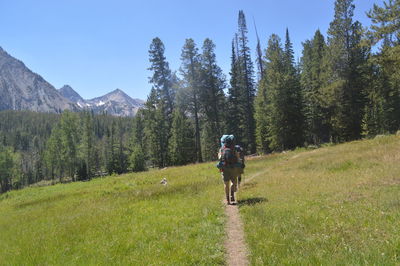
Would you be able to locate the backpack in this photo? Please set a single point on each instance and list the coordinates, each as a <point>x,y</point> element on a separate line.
<point>228,156</point>
<point>240,154</point>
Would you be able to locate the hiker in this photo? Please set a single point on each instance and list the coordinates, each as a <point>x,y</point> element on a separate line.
<point>228,166</point>
<point>240,164</point>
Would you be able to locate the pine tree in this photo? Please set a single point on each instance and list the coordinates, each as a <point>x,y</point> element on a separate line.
<point>87,145</point>
<point>209,143</point>
<point>279,100</point>
<point>233,115</point>
<point>261,103</point>
<point>289,54</point>
<point>159,107</point>
<point>261,117</point>
<point>182,142</point>
<point>70,142</point>
<point>137,158</point>
<point>246,85</point>
<point>122,158</point>
<point>312,81</point>
<point>53,156</point>
<point>346,60</point>
<point>212,99</point>
<point>111,150</point>
<point>161,78</point>
<point>273,91</point>
<point>138,128</point>
<point>260,61</point>
<point>157,130</point>
<point>382,112</point>
<point>190,70</point>
<point>294,105</point>
<point>386,23</point>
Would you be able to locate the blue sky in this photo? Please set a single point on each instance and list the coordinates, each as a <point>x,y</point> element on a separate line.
<point>96,46</point>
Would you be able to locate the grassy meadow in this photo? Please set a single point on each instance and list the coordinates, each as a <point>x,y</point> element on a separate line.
<point>330,206</point>
<point>334,205</point>
<point>125,220</point>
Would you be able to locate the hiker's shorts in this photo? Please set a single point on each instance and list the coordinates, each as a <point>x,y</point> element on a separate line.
<point>229,174</point>
<point>239,170</point>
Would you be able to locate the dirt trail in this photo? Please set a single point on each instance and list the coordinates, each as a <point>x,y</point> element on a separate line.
<point>235,245</point>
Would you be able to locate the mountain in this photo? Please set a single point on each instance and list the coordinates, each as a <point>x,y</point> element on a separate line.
<point>67,92</point>
<point>22,89</point>
<point>116,103</point>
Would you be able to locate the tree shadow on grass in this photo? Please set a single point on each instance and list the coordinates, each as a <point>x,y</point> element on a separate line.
<point>251,201</point>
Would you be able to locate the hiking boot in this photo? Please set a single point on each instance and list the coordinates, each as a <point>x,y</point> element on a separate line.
<point>228,201</point>
<point>232,198</point>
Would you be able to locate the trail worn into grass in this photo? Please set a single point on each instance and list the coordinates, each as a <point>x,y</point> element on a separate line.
<point>235,245</point>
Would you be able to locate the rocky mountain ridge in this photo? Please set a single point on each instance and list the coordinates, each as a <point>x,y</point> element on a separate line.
<point>22,89</point>
<point>116,103</point>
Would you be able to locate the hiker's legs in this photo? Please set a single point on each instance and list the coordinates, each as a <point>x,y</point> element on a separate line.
<point>228,175</point>
<point>235,184</point>
<point>233,188</point>
<point>236,179</point>
<point>227,188</point>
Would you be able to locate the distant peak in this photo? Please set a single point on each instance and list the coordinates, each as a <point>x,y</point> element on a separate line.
<point>118,90</point>
<point>66,86</point>
<point>68,92</point>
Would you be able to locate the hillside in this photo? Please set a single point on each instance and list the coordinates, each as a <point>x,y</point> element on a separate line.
<point>333,205</point>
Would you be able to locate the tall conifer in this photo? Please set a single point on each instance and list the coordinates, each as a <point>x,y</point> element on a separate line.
<point>156,130</point>
<point>212,99</point>
<point>234,117</point>
<point>293,106</point>
<point>159,106</point>
<point>190,70</point>
<point>315,109</point>
<point>382,112</point>
<point>137,158</point>
<point>345,62</point>
<point>87,145</point>
<point>182,142</point>
<point>161,78</point>
<point>70,142</point>
<point>279,100</point>
<point>246,84</point>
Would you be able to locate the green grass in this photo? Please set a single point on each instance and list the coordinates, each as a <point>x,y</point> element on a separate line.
<point>126,220</point>
<point>334,205</point>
